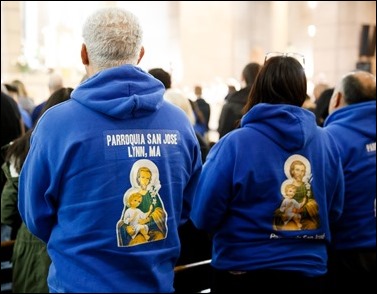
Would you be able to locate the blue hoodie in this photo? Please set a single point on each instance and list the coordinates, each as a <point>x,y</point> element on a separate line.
<point>88,155</point>
<point>241,198</point>
<point>354,129</point>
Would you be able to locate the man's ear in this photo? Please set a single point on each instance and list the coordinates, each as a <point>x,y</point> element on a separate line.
<point>84,55</point>
<point>141,54</point>
<point>338,100</point>
<point>335,101</point>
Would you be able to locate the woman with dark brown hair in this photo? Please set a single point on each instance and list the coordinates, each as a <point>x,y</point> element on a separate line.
<point>243,182</point>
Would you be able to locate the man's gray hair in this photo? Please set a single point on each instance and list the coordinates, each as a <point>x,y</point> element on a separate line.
<point>113,37</point>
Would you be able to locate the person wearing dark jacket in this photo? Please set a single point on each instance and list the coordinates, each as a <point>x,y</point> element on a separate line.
<point>202,111</point>
<point>231,112</point>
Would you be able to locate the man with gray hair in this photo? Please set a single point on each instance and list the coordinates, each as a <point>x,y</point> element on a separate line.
<point>352,122</point>
<point>115,136</point>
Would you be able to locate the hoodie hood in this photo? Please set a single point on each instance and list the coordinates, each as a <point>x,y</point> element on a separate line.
<point>290,127</point>
<point>121,92</point>
<point>361,113</point>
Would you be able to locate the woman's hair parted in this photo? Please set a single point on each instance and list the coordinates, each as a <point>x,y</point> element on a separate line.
<point>281,80</point>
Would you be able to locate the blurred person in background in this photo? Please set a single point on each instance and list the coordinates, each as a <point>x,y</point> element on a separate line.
<point>55,82</point>
<point>202,111</point>
<point>321,110</point>
<point>231,112</point>
<point>26,118</point>
<point>26,102</point>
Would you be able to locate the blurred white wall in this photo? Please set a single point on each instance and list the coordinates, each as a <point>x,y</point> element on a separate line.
<point>206,43</point>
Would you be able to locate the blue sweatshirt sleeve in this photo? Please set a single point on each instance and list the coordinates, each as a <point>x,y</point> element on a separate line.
<point>190,189</point>
<point>35,204</point>
<point>214,183</point>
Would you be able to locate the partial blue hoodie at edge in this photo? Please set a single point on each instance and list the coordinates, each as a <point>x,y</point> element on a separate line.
<point>86,160</point>
<point>241,188</point>
<point>354,129</point>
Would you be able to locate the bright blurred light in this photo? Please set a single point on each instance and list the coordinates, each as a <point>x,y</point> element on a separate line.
<point>312,29</point>
<point>312,4</point>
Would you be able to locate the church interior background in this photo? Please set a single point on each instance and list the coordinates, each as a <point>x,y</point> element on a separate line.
<point>199,42</point>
